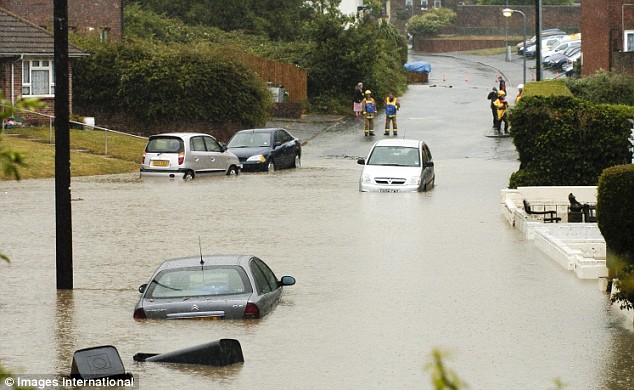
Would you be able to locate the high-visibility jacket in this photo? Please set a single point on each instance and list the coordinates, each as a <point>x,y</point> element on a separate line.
<point>369,106</point>
<point>502,106</point>
<point>391,105</point>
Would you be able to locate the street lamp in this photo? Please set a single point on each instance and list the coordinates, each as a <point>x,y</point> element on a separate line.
<point>508,12</point>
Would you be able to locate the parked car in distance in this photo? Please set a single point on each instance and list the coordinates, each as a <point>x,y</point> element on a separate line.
<point>558,60</point>
<point>397,165</point>
<point>187,155</point>
<point>531,51</point>
<point>544,34</point>
<point>266,149</point>
<point>560,47</point>
<point>212,287</point>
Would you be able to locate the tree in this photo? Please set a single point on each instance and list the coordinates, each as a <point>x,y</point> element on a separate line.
<point>277,19</point>
<point>429,23</point>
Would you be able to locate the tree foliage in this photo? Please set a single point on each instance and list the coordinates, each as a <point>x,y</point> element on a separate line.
<point>603,87</point>
<point>337,52</point>
<point>429,23</point>
<point>565,141</point>
<point>277,19</point>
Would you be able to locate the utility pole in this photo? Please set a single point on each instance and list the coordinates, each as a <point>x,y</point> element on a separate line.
<point>538,35</point>
<point>63,223</point>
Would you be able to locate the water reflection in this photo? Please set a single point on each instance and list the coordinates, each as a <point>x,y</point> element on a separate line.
<point>64,329</point>
<point>381,280</point>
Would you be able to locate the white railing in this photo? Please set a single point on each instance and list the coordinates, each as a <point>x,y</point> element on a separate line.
<point>51,120</point>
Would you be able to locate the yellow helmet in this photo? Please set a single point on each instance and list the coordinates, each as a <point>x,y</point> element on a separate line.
<point>368,92</point>
<point>501,93</point>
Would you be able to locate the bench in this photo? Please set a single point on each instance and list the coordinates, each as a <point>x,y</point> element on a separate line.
<point>589,213</point>
<point>548,215</point>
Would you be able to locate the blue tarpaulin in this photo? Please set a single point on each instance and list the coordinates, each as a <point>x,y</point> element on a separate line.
<point>418,67</point>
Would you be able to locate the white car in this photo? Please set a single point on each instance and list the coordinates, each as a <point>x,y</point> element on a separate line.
<point>187,155</point>
<point>397,165</point>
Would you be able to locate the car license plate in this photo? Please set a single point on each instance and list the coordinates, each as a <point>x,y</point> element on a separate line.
<point>160,163</point>
<point>389,190</point>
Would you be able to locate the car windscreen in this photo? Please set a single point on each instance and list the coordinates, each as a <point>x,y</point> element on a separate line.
<point>199,281</point>
<point>394,156</point>
<point>165,145</point>
<point>250,140</point>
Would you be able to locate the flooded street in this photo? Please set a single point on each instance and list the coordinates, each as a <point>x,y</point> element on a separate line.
<point>382,279</point>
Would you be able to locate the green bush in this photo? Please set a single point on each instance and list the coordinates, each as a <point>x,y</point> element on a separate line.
<point>615,208</point>
<point>603,88</point>
<point>154,82</point>
<point>429,23</point>
<point>564,141</point>
<point>615,218</point>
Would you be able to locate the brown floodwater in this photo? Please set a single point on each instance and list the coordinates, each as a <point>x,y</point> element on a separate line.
<point>382,279</point>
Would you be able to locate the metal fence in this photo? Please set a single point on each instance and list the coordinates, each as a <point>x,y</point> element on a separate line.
<point>51,121</point>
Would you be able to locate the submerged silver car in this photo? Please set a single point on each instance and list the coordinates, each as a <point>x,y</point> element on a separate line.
<point>211,287</point>
<point>187,155</point>
<point>397,165</point>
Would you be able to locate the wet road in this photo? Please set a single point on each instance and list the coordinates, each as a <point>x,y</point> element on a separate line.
<point>382,278</point>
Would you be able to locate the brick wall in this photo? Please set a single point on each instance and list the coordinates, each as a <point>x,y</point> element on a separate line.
<point>602,29</point>
<point>88,16</point>
<point>623,62</point>
<point>488,19</point>
<point>439,45</point>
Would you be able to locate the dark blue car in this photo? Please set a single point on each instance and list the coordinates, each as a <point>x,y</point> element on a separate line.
<point>266,149</point>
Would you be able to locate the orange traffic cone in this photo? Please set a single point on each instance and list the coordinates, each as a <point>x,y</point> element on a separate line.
<point>444,78</point>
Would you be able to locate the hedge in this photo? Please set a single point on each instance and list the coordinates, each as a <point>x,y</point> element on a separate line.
<point>615,218</point>
<point>564,141</point>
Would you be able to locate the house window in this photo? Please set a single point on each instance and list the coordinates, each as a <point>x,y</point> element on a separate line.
<point>424,4</point>
<point>38,77</point>
<point>437,4</point>
<point>628,40</point>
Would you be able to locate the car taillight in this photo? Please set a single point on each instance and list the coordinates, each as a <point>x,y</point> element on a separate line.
<point>251,311</point>
<point>181,158</point>
<point>143,158</point>
<point>139,314</point>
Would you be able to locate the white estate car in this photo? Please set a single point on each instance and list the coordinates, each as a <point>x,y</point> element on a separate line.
<point>397,165</point>
<point>187,155</point>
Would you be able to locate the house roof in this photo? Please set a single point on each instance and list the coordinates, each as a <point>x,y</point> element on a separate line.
<point>20,37</point>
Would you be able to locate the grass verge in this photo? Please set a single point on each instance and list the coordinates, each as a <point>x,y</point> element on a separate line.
<point>88,152</point>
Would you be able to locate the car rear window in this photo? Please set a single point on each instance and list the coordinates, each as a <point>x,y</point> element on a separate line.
<point>199,281</point>
<point>165,145</point>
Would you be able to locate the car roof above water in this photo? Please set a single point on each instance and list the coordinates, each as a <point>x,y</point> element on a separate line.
<point>192,261</point>
<point>261,130</point>
<point>181,135</point>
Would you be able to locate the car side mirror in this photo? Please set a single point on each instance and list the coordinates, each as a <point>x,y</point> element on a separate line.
<point>429,164</point>
<point>287,281</point>
<point>277,144</point>
<point>142,288</point>
<point>361,161</point>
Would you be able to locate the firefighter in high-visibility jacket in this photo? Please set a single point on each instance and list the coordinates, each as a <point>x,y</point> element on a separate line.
<point>502,106</point>
<point>391,106</point>
<point>369,112</point>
